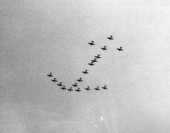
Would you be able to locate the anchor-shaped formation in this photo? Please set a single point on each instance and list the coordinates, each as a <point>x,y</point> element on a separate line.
<point>75,86</point>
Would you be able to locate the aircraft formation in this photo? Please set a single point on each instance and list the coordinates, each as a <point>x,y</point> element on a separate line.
<point>75,86</point>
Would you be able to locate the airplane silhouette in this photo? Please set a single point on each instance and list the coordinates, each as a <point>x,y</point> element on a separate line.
<point>120,49</point>
<point>104,87</point>
<point>80,80</point>
<point>75,85</point>
<point>94,60</point>
<point>63,88</point>
<point>70,89</point>
<point>88,88</point>
<point>91,64</point>
<point>54,80</point>
<point>85,71</point>
<point>97,56</point>
<point>97,88</point>
<point>104,48</point>
<point>110,37</point>
<point>91,43</point>
<point>60,84</point>
<point>50,75</point>
<point>78,90</point>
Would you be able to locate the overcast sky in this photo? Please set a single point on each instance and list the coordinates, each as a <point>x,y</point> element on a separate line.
<point>42,36</point>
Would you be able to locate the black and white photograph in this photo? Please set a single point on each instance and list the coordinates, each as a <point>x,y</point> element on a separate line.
<point>84,66</point>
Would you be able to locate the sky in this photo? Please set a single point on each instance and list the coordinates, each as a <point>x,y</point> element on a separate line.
<point>42,36</point>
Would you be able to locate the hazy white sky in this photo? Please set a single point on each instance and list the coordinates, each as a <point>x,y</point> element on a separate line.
<point>42,36</point>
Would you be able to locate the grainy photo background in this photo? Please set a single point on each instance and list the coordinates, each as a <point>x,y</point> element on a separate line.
<point>42,36</point>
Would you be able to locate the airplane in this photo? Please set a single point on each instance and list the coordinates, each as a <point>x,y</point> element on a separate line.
<point>88,88</point>
<point>91,64</point>
<point>104,48</point>
<point>50,75</point>
<point>78,90</point>
<point>63,88</point>
<point>97,88</point>
<point>120,49</point>
<point>110,37</point>
<point>60,84</point>
<point>98,56</point>
<point>85,71</point>
<point>104,87</point>
<point>80,80</point>
<point>91,43</point>
<point>54,80</point>
<point>94,60</point>
<point>70,89</point>
<point>75,85</point>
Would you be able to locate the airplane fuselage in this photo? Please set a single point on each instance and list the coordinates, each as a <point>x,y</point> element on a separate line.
<point>91,64</point>
<point>119,49</point>
<point>91,43</point>
<point>54,80</point>
<point>85,72</point>
<point>63,88</point>
<point>75,85</point>
<point>97,88</point>
<point>92,61</point>
<point>110,38</point>
<point>104,48</point>
<point>78,90</point>
<point>88,88</point>
<point>97,57</point>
